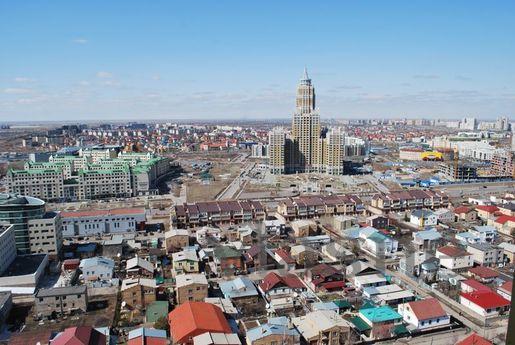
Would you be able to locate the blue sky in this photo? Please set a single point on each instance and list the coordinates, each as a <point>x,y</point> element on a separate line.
<point>67,60</point>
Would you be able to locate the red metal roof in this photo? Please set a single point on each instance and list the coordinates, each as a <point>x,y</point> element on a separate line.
<point>475,285</point>
<point>452,251</point>
<point>474,339</point>
<point>486,299</point>
<point>504,219</point>
<point>83,335</point>
<point>487,208</point>
<point>194,318</point>
<point>462,209</point>
<point>426,309</point>
<point>484,272</point>
<point>272,279</point>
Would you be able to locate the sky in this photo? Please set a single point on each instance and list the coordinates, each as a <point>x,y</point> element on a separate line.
<point>67,60</point>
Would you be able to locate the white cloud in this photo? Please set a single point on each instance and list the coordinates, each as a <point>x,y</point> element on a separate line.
<point>84,83</point>
<point>17,91</point>
<point>426,76</point>
<point>156,77</point>
<point>80,40</point>
<point>104,75</point>
<point>23,80</point>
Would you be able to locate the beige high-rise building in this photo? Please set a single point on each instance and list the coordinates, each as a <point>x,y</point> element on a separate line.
<point>334,151</point>
<point>276,150</point>
<point>305,132</point>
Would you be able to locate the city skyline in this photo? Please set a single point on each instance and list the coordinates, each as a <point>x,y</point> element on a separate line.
<point>242,61</point>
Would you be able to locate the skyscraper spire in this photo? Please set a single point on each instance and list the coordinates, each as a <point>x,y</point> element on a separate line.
<point>305,76</point>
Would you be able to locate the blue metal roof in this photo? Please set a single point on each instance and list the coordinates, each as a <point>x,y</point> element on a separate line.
<point>278,325</point>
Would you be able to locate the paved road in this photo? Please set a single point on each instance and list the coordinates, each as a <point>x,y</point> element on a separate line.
<point>237,183</point>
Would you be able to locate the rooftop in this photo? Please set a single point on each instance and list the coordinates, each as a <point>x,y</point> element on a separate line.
<point>24,264</point>
<point>380,314</point>
<point>62,291</point>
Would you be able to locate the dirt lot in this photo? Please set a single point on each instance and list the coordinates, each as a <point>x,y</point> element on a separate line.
<point>222,172</point>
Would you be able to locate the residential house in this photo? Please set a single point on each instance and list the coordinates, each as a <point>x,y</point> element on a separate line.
<point>213,338</point>
<point>322,326</point>
<point>304,256</point>
<point>485,233</point>
<point>147,336</point>
<point>424,314</point>
<point>185,261</point>
<point>454,258</point>
<point>444,215</point>
<point>504,224</point>
<point>509,251</point>
<point>505,290</point>
<point>369,280</point>
<point>191,319</point>
<point>377,221</point>
<point>247,235</point>
<point>337,253</point>
<point>486,254</point>
<point>283,258</point>
<point>359,268</point>
<point>486,212</point>
<point>191,287</point>
<point>228,260</point>
<point>83,335</point>
<point>380,245</point>
<point>341,222</point>
<point>139,267</point>
<point>507,209</point>
<point>277,286</point>
<point>277,330</point>
<point>474,339</point>
<point>465,213</point>
<point>138,292</point>
<point>325,277</point>
<point>97,270</point>
<point>155,311</point>
<point>485,302</point>
<point>61,300</point>
<point>240,291</point>
<point>258,257</point>
<point>483,274</point>
<point>426,239</point>
<point>381,320</point>
<point>423,218</point>
<point>303,227</point>
<point>176,239</point>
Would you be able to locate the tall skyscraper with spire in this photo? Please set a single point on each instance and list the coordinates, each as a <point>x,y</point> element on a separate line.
<point>305,132</point>
<point>305,150</point>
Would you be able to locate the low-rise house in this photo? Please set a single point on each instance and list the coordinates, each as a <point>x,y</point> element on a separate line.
<point>509,251</point>
<point>423,218</point>
<point>139,267</point>
<point>504,224</point>
<point>444,215</point>
<point>486,212</point>
<point>426,239</point>
<point>258,257</point>
<point>208,236</point>
<point>465,213</point>
<point>155,311</point>
<point>213,338</point>
<point>176,239</point>
<point>420,264</point>
<point>325,277</point>
<point>247,235</point>
<point>303,227</point>
<point>485,302</point>
<point>191,319</point>
<point>486,254</point>
<point>274,225</point>
<point>381,320</point>
<point>61,300</point>
<point>424,314</point>
<point>138,292</point>
<point>277,330</point>
<point>471,285</point>
<point>275,286</point>
<point>322,326</point>
<point>379,245</point>
<point>342,222</point>
<point>191,287</point>
<point>240,290</point>
<point>507,209</point>
<point>505,290</point>
<point>483,274</point>
<point>228,260</point>
<point>97,268</point>
<point>485,233</point>
<point>337,253</point>
<point>147,336</point>
<point>474,339</point>
<point>283,258</point>
<point>83,335</point>
<point>359,268</point>
<point>185,261</point>
<point>369,280</point>
<point>454,258</point>
<point>377,221</point>
<point>304,256</point>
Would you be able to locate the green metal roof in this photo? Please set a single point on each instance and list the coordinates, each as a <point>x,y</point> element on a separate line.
<point>155,310</point>
<point>380,314</point>
<point>400,329</point>
<point>342,304</point>
<point>360,324</point>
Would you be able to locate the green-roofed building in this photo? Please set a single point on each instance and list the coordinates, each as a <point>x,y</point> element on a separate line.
<point>155,310</point>
<point>382,320</point>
